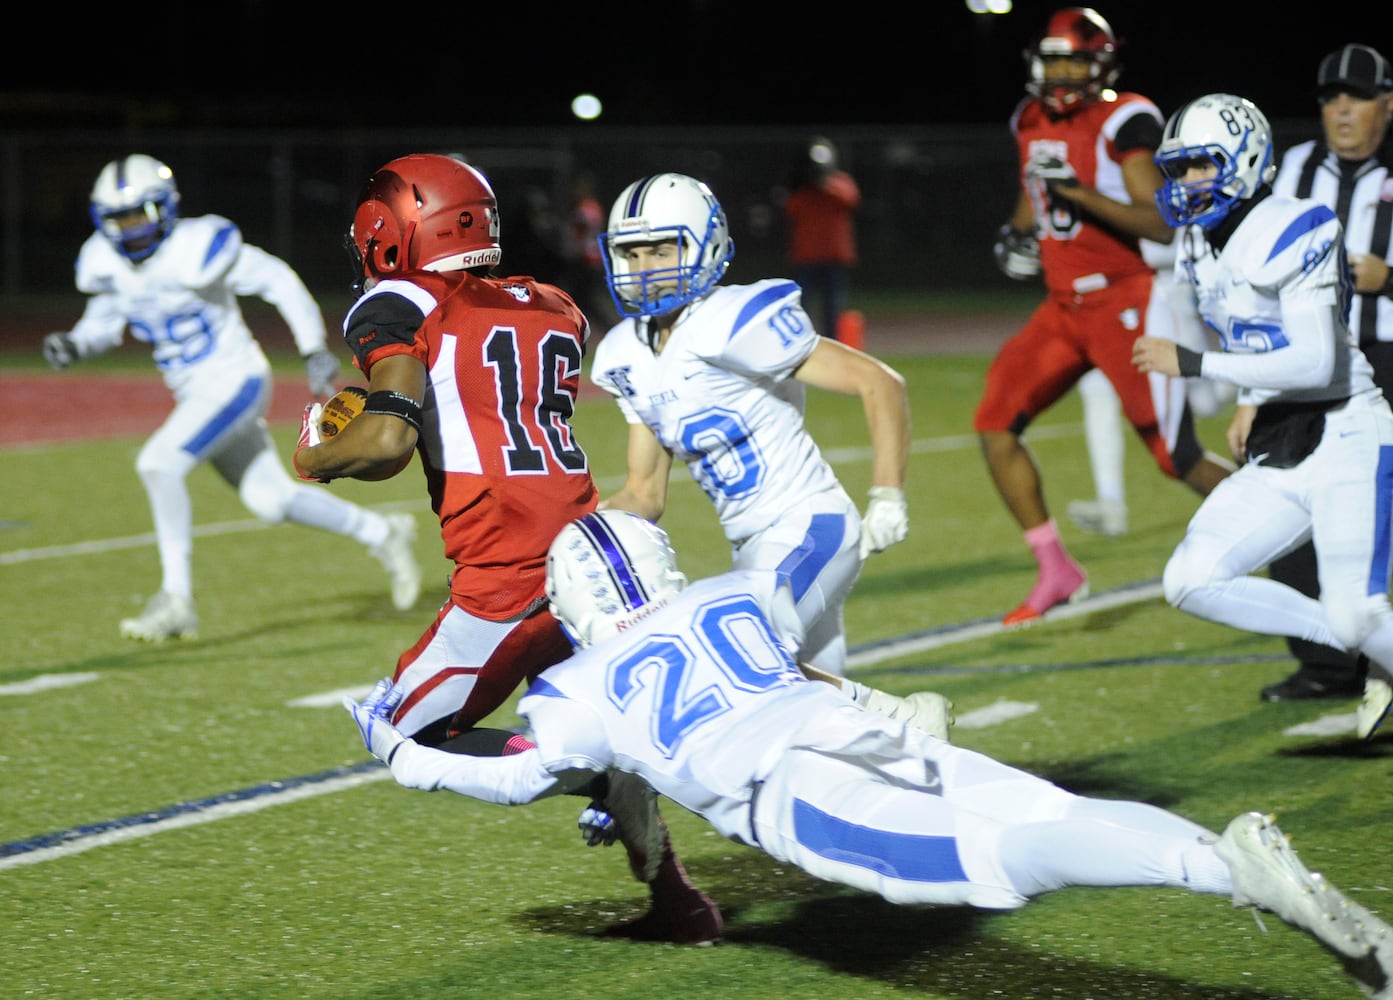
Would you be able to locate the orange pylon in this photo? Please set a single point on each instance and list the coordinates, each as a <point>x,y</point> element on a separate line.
<point>851,329</point>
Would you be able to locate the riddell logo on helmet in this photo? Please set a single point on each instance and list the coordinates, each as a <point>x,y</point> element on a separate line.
<point>624,624</point>
<point>479,258</point>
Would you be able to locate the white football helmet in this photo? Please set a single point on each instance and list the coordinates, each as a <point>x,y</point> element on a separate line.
<point>135,204</point>
<point>654,210</point>
<point>1220,129</point>
<point>607,570</point>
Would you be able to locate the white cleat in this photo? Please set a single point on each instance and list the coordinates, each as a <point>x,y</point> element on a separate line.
<point>1267,874</point>
<point>1375,973</point>
<point>1373,709</point>
<point>397,555</point>
<point>926,711</point>
<point>1102,517</point>
<point>166,616</point>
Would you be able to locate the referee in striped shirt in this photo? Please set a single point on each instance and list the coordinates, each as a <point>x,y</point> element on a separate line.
<point>1347,170</point>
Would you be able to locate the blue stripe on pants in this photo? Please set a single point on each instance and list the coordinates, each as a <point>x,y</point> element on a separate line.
<point>909,857</point>
<point>803,564</point>
<point>1383,521</point>
<point>224,418</point>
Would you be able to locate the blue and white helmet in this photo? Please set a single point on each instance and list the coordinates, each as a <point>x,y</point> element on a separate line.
<point>135,204</point>
<point>1227,131</point>
<point>654,210</point>
<point>608,570</point>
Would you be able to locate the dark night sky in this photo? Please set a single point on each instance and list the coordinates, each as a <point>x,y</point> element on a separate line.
<point>689,62</point>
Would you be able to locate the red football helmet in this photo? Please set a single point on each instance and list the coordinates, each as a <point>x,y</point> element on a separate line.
<point>425,212</point>
<point>1079,34</point>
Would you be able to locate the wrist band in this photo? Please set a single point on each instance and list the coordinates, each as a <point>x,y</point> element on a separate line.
<point>395,404</point>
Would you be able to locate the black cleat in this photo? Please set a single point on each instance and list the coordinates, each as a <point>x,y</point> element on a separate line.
<point>1308,684</point>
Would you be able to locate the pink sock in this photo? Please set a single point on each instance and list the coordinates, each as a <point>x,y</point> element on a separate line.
<point>1060,575</point>
<point>517,744</point>
<point>1045,542</point>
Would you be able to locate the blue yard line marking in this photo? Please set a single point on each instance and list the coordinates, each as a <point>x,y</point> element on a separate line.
<point>82,838</point>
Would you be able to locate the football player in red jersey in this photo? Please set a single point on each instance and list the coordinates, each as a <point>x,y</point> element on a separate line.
<point>479,374</point>
<point>1086,198</point>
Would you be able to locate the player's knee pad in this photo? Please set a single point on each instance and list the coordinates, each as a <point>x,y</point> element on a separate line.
<point>157,464</point>
<point>1353,621</point>
<point>1183,575</point>
<point>266,498</point>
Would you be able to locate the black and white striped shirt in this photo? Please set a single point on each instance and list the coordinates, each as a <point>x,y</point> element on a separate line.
<point>1361,195</point>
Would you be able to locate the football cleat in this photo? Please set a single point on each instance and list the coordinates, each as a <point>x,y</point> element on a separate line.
<point>678,911</point>
<point>1311,681</point>
<point>1374,973</point>
<point>1267,874</point>
<point>166,616</point>
<point>1101,517</point>
<point>396,554</point>
<point>1373,709</point>
<point>1047,594</point>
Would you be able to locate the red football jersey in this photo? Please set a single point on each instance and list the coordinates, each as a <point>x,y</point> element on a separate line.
<point>1094,141</point>
<point>503,467</point>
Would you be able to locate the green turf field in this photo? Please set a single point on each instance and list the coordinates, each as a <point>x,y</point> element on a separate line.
<point>285,867</point>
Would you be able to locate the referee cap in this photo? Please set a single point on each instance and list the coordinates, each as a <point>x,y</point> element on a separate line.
<point>1356,68</point>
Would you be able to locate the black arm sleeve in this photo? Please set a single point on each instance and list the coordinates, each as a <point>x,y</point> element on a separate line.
<point>379,320</point>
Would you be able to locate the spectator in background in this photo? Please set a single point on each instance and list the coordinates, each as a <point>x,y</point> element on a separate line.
<point>820,208</point>
<point>1347,171</point>
<point>583,273</point>
<point>173,283</point>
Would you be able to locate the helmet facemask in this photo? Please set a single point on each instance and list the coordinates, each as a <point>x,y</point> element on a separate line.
<point>135,204</point>
<point>1080,36</point>
<point>1223,131</point>
<point>669,208</point>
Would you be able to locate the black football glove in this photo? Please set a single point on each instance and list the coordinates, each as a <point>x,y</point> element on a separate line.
<point>1017,254</point>
<point>60,350</point>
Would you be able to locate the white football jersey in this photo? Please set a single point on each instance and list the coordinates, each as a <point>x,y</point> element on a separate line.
<point>182,301</point>
<point>1282,266</point>
<point>721,398</point>
<point>701,699</point>
<point>693,718</point>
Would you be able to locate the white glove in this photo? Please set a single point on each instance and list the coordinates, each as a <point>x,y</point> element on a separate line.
<point>886,520</point>
<point>320,369</point>
<point>927,711</point>
<point>1016,254</point>
<point>374,719</point>
<point>60,350</point>
<point>309,437</point>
